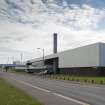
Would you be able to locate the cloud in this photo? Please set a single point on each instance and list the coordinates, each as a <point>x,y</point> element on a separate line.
<point>26,25</point>
<point>8,55</point>
<point>38,13</point>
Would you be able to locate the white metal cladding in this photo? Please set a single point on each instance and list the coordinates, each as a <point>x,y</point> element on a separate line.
<point>37,63</point>
<point>102,54</point>
<point>87,56</point>
<point>45,57</point>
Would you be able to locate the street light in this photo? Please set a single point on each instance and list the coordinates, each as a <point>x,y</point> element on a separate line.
<point>12,59</point>
<point>43,53</point>
<point>21,57</point>
<point>8,60</point>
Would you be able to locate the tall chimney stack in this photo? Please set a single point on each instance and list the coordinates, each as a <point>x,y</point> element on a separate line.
<point>55,43</point>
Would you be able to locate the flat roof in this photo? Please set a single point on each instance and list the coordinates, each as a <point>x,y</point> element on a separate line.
<point>51,56</point>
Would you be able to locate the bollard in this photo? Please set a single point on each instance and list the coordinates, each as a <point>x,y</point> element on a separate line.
<point>101,82</point>
<point>85,80</point>
<point>92,81</point>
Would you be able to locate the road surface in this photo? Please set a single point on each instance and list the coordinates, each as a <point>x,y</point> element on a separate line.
<point>54,92</point>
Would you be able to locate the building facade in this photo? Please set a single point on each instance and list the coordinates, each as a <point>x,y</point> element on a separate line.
<point>87,61</point>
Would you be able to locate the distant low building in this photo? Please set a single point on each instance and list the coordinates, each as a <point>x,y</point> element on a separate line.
<point>16,62</point>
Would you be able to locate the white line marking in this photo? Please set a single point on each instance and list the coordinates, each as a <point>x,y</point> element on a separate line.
<point>59,95</point>
<point>28,84</point>
<point>70,99</point>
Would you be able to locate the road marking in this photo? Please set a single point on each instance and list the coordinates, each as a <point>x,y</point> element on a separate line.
<point>56,94</point>
<point>28,84</point>
<point>70,99</point>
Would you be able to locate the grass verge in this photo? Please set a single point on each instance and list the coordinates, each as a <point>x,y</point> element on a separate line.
<point>91,80</point>
<point>9,95</point>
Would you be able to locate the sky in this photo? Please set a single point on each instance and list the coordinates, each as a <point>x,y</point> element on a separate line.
<point>26,25</point>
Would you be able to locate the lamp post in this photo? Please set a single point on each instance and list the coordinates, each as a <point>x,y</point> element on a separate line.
<point>43,54</point>
<point>7,60</point>
<point>21,57</point>
<point>12,59</point>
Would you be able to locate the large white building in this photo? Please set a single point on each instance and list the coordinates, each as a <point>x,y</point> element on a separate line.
<point>86,60</point>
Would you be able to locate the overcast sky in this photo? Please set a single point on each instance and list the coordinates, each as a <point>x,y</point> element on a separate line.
<point>26,25</point>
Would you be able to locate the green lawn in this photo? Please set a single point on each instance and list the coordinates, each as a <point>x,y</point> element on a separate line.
<point>9,95</point>
<point>91,80</point>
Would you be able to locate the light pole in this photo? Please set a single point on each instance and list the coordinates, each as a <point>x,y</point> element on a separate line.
<point>43,53</point>
<point>7,60</point>
<point>21,56</point>
<point>12,59</point>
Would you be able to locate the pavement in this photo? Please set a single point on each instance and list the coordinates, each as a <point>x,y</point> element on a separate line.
<point>54,92</point>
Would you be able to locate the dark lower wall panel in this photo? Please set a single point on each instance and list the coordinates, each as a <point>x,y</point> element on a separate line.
<point>83,71</point>
<point>35,70</point>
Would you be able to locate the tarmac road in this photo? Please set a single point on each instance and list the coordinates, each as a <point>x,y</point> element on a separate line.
<point>53,92</point>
